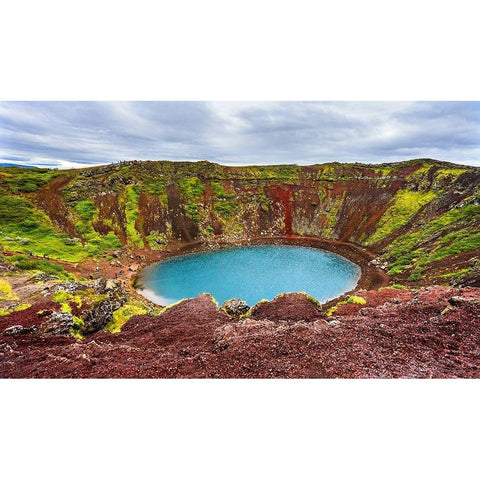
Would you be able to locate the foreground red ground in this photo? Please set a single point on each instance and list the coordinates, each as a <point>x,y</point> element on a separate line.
<point>398,333</point>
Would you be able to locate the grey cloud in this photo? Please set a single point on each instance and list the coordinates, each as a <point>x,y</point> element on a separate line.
<point>86,133</point>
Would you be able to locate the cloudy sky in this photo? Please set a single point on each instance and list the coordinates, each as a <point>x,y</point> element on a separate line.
<point>65,134</point>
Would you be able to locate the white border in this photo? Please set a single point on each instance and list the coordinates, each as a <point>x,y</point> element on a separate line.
<point>249,50</point>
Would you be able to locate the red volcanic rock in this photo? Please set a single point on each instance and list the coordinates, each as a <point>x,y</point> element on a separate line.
<point>288,307</point>
<point>396,334</point>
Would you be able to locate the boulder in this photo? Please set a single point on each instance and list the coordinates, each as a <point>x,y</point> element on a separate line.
<point>16,330</point>
<point>70,287</point>
<point>96,318</point>
<point>235,307</point>
<point>457,301</point>
<point>58,323</point>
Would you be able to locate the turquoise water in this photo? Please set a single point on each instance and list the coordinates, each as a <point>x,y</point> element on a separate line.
<point>250,273</point>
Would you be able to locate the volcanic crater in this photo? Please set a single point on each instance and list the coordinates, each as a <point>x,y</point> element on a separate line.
<point>74,241</point>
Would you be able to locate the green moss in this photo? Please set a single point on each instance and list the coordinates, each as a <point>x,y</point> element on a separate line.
<point>78,326</point>
<point>356,300</point>
<point>286,173</point>
<point>416,275</point>
<point>311,299</point>
<point>208,231</point>
<point>156,186</point>
<point>18,308</point>
<point>86,209</point>
<point>452,244</point>
<point>25,263</point>
<point>334,308</point>
<point>449,234</point>
<point>65,307</point>
<point>23,228</point>
<point>225,208</point>
<point>26,229</point>
<point>156,240</point>
<point>22,306</point>
<point>61,296</point>
<point>24,180</point>
<point>131,213</point>
<point>168,307</point>
<point>192,189</point>
<point>445,176</point>
<point>6,292</point>
<point>406,204</point>
<point>458,273</point>
<point>123,314</point>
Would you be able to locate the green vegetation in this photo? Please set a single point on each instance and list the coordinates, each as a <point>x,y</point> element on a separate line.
<point>351,299</point>
<point>131,212</point>
<point>156,186</point>
<point>285,173</point>
<point>416,275</point>
<point>406,204</point>
<point>61,296</point>
<point>78,326</point>
<point>458,273</point>
<point>25,263</point>
<point>156,240</point>
<point>448,175</point>
<point>17,308</point>
<point>225,203</point>
<point>192,189</point>
<point>356,300</point>
<point>123,314</point>
<point>25,180</point>
<point>25,229</point>
<point>6,291</point>
<point>454,232</point>
<point>95,243</point>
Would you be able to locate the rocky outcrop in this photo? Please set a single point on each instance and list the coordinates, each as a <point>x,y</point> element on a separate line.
<point>16,330</point>
<point>289,308</point>
<point>70,287</point>
<point>235,307</point>
<point>58,323</point>
<point>101,314</point>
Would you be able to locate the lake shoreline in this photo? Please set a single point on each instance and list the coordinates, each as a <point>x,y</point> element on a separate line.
<point>371,276</point>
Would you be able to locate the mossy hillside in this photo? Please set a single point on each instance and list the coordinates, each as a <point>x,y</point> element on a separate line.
<point>33,265</point>
<point>284,173</point>
<point>454,232</point>
<point>16,181</point>
<point>94,243</point>
<point>130,198</point>
<point>225,203</point>
<point>23,228</point>
<point>405,205</point>
<point>192,189</point>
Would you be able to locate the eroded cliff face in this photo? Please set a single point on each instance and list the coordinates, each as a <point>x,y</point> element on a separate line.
<point>421,217</point>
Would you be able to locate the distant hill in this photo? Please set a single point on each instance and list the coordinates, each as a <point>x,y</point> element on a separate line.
<point>8,165</point>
